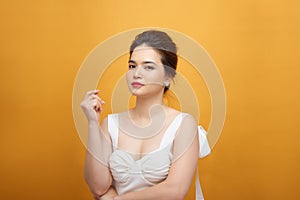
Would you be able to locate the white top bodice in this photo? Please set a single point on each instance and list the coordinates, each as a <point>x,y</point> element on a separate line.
<point>151,169</point>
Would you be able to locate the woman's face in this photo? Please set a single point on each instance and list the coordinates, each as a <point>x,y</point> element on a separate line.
<point>146,73</point>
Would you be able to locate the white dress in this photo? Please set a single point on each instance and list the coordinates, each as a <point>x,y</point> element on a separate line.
<point>134,175</point>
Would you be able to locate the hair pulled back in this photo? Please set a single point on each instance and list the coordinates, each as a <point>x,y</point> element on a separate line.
<point>164,45</point>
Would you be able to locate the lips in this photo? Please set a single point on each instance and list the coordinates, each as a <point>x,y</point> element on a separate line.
<point>137,84</point>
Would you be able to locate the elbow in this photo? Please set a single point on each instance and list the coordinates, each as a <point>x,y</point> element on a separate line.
<point>98,188</point>
<point>98,192</point>
<point>178,192</point>
<point>179,196</point>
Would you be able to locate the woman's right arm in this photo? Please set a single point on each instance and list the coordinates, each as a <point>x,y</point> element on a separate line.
<point>96,172</point>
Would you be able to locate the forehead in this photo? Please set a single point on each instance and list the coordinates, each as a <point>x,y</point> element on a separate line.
<point>143,53</point>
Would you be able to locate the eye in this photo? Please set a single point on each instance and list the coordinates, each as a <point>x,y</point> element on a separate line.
<point>131,66</point>
<point>149,67</point>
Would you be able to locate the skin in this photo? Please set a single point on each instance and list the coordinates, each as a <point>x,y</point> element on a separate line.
<point>144,67</point>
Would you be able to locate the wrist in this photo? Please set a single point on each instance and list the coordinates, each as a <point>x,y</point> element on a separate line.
<point>93,123</point>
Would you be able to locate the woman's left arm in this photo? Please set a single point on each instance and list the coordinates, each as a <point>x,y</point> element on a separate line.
<point>109,195</point>
<point>177,184</point>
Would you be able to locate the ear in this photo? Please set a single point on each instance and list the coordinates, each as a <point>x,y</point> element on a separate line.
<point>167,81</point>
<point>168,78</point>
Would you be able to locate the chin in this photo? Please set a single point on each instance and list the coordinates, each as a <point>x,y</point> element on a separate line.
<point>137,93</point>
<point>145,93</point>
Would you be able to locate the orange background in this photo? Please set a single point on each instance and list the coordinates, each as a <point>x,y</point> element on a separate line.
<point>255,45</point>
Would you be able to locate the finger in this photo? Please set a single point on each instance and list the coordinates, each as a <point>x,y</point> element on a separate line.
<point>97,105</point>
<point>98,98</point>
<point>92,92</point>
<point>95,102</point>
<point>92,97</point>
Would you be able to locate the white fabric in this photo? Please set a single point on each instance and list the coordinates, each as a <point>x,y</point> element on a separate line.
<point>134,175</point>
<point>171,131</point>
<point>113,129</point>
<point>204,146</point>
<point>204,151</point>
<point>151,169</point>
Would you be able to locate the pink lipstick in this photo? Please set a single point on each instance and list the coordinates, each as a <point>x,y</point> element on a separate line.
<point>137,84</point>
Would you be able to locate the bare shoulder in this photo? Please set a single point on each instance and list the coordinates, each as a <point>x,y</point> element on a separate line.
<point>105,121</point>
<point>172,113</point>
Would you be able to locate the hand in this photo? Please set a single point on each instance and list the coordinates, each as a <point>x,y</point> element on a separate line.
<point>92,105</point>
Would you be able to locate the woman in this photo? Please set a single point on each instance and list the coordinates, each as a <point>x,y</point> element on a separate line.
<point>150,151</point>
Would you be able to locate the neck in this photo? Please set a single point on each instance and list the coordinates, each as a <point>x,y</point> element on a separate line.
<point>146,104</point>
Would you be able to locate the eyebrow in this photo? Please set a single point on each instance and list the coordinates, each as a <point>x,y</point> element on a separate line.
<point>144,62</point>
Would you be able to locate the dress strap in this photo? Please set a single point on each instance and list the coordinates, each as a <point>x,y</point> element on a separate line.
<point>172,130</point>
<point>113,128</point>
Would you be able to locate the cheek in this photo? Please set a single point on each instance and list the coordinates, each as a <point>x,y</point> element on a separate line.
<point>128,77</point>
<point>155,77</point>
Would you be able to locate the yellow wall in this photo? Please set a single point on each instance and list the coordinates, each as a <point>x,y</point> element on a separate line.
<point>255,44</point>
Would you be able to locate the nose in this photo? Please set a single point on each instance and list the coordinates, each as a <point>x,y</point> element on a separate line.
<point>137,73</point>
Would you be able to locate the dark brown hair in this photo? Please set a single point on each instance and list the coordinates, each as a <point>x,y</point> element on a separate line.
<point>164,45</point>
